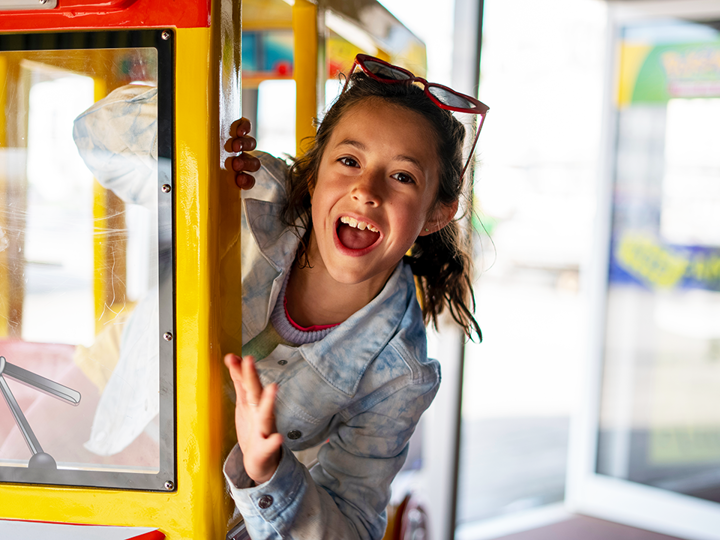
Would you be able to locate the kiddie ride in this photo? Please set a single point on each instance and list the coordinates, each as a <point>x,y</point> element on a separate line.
<point>117,303</point>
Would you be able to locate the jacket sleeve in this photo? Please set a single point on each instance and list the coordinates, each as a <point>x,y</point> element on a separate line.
<point>344,496</point>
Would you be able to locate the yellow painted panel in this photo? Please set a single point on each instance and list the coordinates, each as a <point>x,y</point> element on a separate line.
<point>305,70</point>
<point>266,14</point>
<point>100,236</point>
<point>200,507</point>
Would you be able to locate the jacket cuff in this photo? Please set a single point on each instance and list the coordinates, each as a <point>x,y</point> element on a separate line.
<point>267,500</point>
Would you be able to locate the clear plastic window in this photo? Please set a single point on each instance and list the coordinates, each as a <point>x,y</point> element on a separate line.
<point>85,251</point>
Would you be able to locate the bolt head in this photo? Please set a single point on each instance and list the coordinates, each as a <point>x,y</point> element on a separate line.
<point>166,188</point>
<point>165,35</point>
<point>169,485</point>
<point>167,336</point>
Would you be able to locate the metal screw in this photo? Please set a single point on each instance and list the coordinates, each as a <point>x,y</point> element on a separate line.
<point>166,188</point>
<point>41,2</point>
<point>169,485</point>
<point>167,336</point>
<point>165,35</point>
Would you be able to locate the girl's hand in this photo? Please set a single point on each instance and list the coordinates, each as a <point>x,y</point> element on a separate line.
<point>242,142</point>
<point>255,419</point>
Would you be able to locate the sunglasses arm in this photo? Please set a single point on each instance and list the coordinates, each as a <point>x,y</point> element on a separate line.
<point>472,149</point>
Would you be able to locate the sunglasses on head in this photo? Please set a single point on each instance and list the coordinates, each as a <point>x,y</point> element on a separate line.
<point>442,96</point>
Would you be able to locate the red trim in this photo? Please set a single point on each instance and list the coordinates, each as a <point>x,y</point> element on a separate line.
<point>109,14</point>
<point>313,328</point>
<point>152,535</point>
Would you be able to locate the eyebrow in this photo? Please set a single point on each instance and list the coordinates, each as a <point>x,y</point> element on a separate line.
<point>399,157</point>
<point>353,142</point>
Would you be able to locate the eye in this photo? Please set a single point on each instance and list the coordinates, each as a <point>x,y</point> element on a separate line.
<point>348,162</point>
<point>403,178</point>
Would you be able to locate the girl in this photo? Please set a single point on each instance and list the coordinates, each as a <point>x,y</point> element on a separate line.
<point>333,336</point>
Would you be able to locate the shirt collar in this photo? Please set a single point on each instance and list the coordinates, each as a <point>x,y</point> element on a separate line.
<point>277,244</point>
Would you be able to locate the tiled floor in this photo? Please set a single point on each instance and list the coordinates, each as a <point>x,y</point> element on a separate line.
<point>587,528</point>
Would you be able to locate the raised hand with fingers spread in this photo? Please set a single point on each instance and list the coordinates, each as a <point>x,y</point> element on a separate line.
<point>255,419</point>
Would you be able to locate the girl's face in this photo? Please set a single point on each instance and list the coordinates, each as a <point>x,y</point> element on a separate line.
<point>375,193</point>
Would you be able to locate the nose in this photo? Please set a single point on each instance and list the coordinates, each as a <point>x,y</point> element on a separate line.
<point>368,189</point>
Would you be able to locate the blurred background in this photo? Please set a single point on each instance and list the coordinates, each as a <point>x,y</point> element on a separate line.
<point>596,191</point>
<point>591,409</point>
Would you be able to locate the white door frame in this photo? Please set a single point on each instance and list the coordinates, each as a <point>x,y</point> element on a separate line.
<point>587,492</point>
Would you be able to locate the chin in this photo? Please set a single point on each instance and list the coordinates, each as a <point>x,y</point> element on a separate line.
<point>359,274</point>
<point>348,277</point>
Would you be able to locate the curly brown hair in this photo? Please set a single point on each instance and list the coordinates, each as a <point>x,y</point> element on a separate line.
<point>441,261</point>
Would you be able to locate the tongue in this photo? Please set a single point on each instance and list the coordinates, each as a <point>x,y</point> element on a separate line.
<point>355,238</point>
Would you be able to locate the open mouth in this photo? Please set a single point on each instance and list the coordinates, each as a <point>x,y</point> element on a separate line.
<point>356,234</point>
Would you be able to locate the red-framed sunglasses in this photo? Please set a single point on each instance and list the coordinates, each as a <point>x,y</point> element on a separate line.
<point>442,96</point>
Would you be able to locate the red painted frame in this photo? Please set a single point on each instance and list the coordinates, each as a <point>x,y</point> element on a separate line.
<point>109,14</point>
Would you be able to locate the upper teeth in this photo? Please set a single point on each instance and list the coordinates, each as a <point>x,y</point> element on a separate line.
<point>347,220</point>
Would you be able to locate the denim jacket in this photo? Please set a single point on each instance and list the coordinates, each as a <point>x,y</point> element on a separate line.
<point>360,391</point>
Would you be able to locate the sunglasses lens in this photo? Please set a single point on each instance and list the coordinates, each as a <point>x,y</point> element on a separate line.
<point>451,99</point>
<point>381,71</point>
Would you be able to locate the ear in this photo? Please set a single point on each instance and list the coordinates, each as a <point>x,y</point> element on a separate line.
<point>311,187</point>
<point>438,218</point>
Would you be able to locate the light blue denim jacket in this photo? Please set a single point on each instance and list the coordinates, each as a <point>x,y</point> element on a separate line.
<point>362,389</point>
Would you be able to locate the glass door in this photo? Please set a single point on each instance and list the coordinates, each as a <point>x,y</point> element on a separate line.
<point>647,446</point>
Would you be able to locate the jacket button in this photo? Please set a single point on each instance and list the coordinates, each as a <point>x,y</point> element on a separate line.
<point>265,501</point>
<point>282,362</point>
<point>294,434</point>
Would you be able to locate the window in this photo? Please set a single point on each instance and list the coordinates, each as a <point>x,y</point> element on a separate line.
<point>86,262</point>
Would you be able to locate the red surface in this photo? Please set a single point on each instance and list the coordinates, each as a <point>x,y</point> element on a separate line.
<point>152,535</point>
<point>60,428</point>
<point>50,360</point>
<point>109,14</point>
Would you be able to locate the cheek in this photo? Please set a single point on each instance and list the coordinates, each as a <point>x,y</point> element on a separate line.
<point>314,213</point>
<point>319,210</point>
<point>412,223</point>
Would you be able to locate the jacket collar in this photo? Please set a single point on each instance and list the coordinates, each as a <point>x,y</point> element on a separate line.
<point>278,244</point>
<point>342,357</point>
